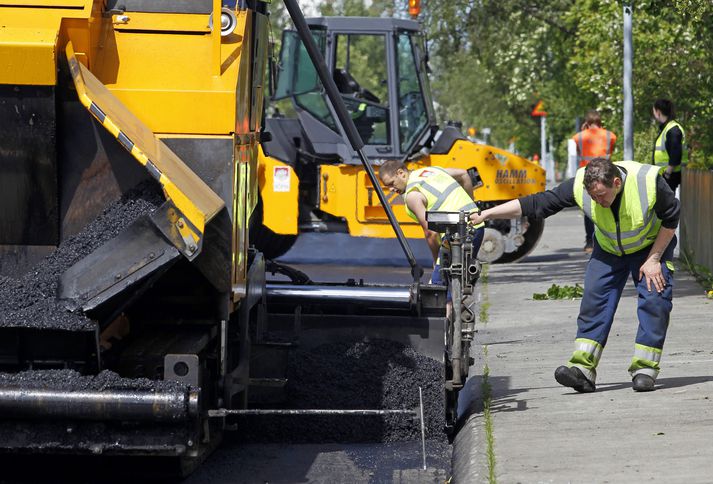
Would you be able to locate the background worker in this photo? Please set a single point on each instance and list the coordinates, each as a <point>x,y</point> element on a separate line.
<point>432,189</point>
<point>669,147</point>
<point>635,214</point>
<point>592,141</point>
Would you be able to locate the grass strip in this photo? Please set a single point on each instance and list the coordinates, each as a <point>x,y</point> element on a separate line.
<point>485,300</point>
<point>487,400</point>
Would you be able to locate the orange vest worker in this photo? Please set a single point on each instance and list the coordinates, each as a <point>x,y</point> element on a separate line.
<point>592,143</point>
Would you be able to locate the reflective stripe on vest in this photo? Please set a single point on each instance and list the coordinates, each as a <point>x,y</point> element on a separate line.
<point>638,223</point>
<point>661,157</point>
<point>583,159</point>
<point>442,191</point>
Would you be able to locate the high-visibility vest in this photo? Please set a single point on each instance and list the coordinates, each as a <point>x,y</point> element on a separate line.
<point>638,224</point>
<point>661,155</point>
<point>443,193</point>
<point>594,143</point>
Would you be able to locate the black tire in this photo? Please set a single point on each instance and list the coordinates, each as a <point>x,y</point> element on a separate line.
<point>532,236</point>
<point>272,245</point>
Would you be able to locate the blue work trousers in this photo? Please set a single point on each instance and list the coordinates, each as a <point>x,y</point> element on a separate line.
<point>604,281</point>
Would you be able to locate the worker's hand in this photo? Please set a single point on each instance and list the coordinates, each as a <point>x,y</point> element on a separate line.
<point>477,217</point>
<point>668,171</point>
<point>651,270</point>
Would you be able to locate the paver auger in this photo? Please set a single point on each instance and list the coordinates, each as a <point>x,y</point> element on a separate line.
<point>133,313</point>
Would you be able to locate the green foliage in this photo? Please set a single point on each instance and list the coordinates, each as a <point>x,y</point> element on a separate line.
<point>570,55</point>
<point>492,60</point>
<point>560,292</point>
<point>703,274</point>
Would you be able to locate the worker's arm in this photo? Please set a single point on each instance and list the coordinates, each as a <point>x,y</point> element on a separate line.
<point>462,177</point>
<point>416,202</point>
<point>667,206</point>
<point>651,269</point>
<point>539,205</point>
<point>511,209</point>
<point>668,209</point>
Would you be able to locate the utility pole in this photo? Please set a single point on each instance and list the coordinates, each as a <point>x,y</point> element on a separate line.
<point>539,111</point>
<point>628,93</point>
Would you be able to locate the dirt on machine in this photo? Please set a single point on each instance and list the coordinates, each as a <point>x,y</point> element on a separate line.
<point>136,318</point>
<point>312,181</point>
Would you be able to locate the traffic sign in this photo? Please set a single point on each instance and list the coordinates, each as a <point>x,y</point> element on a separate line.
<point>539,109</point>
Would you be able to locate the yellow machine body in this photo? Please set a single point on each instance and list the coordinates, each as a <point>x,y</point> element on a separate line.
<point>346,192</point>
<point>152,78</point>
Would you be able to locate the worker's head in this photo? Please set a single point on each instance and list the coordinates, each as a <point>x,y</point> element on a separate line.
<point>602,180</point>
<point>663,110</point>
<point>593,118</point>
<point>394,175</point>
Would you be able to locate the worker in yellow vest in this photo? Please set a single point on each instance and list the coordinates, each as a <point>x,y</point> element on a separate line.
<point>635,215</point>
<point>432,189</point>
<point>670,152</point>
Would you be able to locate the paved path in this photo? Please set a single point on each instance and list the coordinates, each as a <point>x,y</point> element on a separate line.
<point>547,433</point>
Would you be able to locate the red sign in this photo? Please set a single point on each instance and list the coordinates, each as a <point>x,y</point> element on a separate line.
<point>539,109</point>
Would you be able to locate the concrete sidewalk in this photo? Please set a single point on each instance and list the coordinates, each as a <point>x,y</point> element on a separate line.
<point>544,432</point>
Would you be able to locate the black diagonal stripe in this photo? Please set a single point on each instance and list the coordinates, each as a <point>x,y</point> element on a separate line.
<point>125,141</point>
<point>96,111</point>
<point>153,171</point>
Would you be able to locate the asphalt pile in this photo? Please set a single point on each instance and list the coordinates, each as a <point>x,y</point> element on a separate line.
<point>73,381</point>
<point>377,374</point>
<point>29,301</point>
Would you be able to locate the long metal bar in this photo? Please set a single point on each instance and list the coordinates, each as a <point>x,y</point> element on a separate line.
<point>224,412</point>
<point>423,426</point>
<point>391,297</point>
<point>143,405</point>
<point>349,128</point>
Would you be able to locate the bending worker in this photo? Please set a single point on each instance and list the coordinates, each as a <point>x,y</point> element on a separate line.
<point>592,142</point>
<point>669,152</point>
<point>432,189</point>
<point>635,215</point>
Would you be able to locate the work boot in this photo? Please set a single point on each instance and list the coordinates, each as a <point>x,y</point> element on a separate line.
<point>571,376</point>
<point>643,383</point>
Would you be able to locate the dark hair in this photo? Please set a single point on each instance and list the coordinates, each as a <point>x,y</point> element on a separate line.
<point>593,118</point>
<point>600,170</point>
<point>666,107</point>
<point>390,167</point>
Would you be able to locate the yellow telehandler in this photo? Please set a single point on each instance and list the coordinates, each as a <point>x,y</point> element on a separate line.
<point>311,179</point>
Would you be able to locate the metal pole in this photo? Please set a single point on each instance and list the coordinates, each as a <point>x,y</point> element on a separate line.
<point>549,172</point>
<point>423,427</point>
<point>223,412</point>
<point>349,128</point>
<point>628,93</point>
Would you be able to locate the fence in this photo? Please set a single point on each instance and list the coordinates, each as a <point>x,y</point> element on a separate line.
<point>697,215</point>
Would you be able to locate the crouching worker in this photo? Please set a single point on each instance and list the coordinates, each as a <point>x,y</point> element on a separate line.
<point>432,189</point>
<point>635,215</point>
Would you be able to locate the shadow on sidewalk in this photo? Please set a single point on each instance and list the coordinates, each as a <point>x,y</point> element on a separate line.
<point>661,384</point>
<point>503,398</point>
